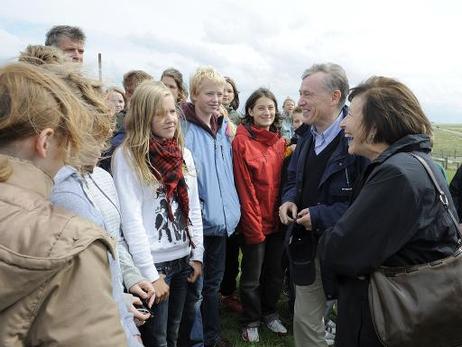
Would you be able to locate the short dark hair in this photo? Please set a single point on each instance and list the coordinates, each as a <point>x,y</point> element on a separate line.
<point>54,34</point>
<point>252,100</point>
<point>235,103</point>
<point>390,109</point>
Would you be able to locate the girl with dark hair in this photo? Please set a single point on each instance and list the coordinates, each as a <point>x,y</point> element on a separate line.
<point>229,298</point>
<point>173,80</point>
<point>231,101</point>
<point>258,153</point>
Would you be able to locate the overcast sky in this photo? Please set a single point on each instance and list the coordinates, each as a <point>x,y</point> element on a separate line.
<point>261,43</point>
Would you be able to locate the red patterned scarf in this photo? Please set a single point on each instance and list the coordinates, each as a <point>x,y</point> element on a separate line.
<point>167,160</point>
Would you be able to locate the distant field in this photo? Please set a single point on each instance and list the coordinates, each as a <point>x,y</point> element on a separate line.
<point>447,140</point>
<point>453,126</point>
<point>447,145</point>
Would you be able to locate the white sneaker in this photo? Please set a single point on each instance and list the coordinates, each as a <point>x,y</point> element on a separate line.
<point>330,338</point>
<point>250,334</point>
<point>331,327</point>
<point>276,327</point>
<point>330,333</point>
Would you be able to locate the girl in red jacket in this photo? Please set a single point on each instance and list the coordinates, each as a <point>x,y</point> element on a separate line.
<point>258,153</point>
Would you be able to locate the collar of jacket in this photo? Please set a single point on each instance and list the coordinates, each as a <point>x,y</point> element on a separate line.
<point>189,111</point>
<point>258,134</point>
<point>302,129</point>
<point>408,143</point>
<point>27,176</point>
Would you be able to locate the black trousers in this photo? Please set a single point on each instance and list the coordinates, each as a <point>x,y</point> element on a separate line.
<point>261,279</point>
<point>229,283</point>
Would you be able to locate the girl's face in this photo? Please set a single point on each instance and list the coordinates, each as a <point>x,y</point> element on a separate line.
<point>228,94</point>
<point>164,123</point>
<point>116,101</point>
<point>297,120</point>
<point>289,106</point>
<point>263,112</point>
<point>170,83</point>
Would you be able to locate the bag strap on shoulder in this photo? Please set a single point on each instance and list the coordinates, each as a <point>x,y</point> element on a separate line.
<point>442,196</point>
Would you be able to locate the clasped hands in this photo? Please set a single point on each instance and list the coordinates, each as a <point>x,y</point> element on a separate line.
<point>288,213</point>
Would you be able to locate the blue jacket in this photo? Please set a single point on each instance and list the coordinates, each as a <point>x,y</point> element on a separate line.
<point>336,184</point>
<point>219,201</point>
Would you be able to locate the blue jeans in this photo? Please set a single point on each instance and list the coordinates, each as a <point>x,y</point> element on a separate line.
<point>162,329</point>
<point>214,267</point>
<point>191,332</point>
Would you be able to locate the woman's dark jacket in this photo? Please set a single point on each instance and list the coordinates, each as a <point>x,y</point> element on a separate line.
<point>395,219</point>
<point>456,191</point>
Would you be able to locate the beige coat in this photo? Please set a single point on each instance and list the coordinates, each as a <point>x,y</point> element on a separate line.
<point>55,283</point>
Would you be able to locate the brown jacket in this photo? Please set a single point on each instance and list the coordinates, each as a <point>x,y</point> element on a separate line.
<point>55,283</point>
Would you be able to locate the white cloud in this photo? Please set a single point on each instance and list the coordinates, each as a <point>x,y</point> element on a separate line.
<point>261,43</point>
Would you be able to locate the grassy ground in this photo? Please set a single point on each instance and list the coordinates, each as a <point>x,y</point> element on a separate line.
<point>447,143</point>
<point>232,331</point>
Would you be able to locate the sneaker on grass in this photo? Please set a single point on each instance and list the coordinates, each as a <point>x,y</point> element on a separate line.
<point>330,338</point>
<point>250,334</point>
<point>276,326</point>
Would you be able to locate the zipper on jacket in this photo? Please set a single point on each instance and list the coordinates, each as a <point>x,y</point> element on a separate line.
<point>347,177</point>
<point>219,182</point>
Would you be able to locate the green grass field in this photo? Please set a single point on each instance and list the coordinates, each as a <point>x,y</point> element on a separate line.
<point>447,140</point>
<point>232,330</point>
<point>447,143</point>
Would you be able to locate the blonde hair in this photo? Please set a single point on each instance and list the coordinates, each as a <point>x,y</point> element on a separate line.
<point>31,100</point>
<point>101,124</point>
<point>40,55</point>
<point>145,104</point>
<point>202,74</point>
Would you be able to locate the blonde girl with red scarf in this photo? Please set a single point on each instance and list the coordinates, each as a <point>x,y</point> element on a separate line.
<point>156,181</point>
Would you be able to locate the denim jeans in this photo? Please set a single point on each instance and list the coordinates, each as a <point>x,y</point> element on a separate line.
<point>162,329</point>
<point>191,331</point>
<point>261,280</point>
<point>214,267</point>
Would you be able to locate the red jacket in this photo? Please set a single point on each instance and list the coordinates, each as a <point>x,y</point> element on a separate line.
<point>257,160</point>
